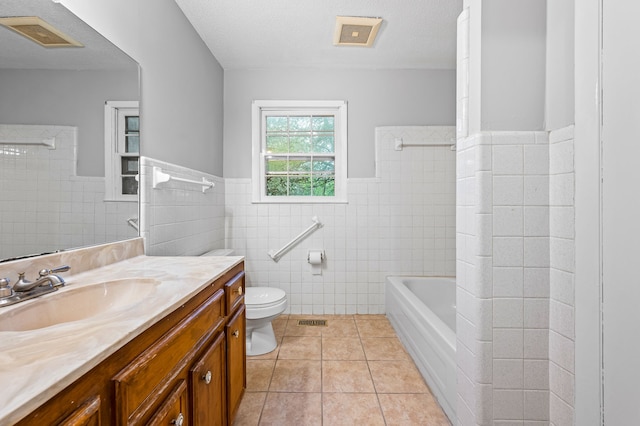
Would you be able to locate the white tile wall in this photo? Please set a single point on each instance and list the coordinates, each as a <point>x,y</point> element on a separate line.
<point>503,204</point>
<point>562,268</point>
<point>401,222</point>
<point>177,218</point>
<point>45,206</point>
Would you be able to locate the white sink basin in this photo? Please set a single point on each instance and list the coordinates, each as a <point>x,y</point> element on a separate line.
<point>77,304</point>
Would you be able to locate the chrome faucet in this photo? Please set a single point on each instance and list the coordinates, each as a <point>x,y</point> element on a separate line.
<point>47,276</point>
<point>23,289</point>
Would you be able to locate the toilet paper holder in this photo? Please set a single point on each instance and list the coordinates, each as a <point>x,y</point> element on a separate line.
<point>315,251</point>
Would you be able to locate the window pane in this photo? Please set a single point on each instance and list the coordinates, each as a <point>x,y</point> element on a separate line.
<point>321,164</point>
<point>323,143</point>
<point>132,143</point>
<point>129,165</point>
<point>300,144</point>
<point>276,124</point>
<point>132,123</point>
<point>277,143</point>
<point>300,165</point>
<point>300,185</point>
<point>277,186</point>
<point>297,124</point>
<point>324,186</point>
<point>276,164</point>
<point>324,123</point>
<point>129,185</point>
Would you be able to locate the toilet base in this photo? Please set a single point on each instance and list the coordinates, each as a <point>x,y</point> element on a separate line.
<point>260,339</point>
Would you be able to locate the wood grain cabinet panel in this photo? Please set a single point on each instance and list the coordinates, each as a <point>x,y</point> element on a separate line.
<point>236,361</point>
<point>88,414</point>
<point>208,385</point>
<point>174,410</point>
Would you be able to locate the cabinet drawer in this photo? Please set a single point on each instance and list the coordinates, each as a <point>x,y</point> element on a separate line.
<point>234,292</point>
<point>145,380</point>
<point>236,361</point>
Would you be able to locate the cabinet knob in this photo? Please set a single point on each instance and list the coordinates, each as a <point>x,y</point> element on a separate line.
<point>239,291</point>
<point>236,334</point>
<point>178,421</point>
<point>207,377</point>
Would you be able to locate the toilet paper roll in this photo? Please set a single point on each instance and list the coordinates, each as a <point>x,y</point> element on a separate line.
<point>315,259</point>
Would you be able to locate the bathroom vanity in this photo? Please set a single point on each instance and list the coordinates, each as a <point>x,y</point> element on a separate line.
<point>177,356</point>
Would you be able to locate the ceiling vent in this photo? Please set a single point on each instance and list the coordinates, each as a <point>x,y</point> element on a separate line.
<point>356,31</point>
<point>39,31</point>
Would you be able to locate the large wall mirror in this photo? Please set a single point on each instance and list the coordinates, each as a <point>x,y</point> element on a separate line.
<point>52,136</point>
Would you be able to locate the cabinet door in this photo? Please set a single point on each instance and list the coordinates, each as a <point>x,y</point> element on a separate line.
<point>88,414</point>
<point>173,410</point>
<point>208,386</point>
<point>236,362</point>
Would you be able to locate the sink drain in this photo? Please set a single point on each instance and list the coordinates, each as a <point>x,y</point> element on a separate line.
<point>313,322</point>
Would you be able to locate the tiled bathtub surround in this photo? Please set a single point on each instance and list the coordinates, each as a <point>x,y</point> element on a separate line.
<point>45,206</point>
<point>177,218</point>
<point>503,277</point>
<point>402,222</point>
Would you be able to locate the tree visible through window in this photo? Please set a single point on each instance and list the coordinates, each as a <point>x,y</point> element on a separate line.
<point>301,155</point>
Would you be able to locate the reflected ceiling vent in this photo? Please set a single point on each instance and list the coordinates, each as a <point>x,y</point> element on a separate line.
<point>356,31</point>
<point>39,31</point>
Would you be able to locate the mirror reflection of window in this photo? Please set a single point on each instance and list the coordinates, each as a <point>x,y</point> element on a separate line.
<point>130,154</point>
<point>122,150</point>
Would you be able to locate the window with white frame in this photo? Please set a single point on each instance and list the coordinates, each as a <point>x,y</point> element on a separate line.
<point>122,150</point>
<point>299,151</point>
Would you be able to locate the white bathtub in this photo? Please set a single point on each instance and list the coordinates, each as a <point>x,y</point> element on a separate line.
<point>422,311</point>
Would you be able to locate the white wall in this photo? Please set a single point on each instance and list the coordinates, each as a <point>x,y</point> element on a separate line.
<point>375,98</point>
<point>559,94</point>
<point>67,98</point>
<point>182,83</point>
<point>620,211</point>
<point>513,65</point>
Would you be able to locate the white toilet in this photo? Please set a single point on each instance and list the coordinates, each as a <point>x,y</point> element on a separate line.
<point>263,305</point>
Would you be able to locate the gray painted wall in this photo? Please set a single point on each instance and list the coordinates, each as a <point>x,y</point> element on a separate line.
<point>375,98</point>
<point>560,111</point>
<point>70,98</point>
<point>182,82</point>
<point>513,64</point>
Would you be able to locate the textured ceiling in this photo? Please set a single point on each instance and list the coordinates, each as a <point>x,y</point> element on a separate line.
<point>415,34</point>
<point>17,51</point>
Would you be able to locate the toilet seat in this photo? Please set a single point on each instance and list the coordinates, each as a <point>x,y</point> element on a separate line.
<point>263,302</point>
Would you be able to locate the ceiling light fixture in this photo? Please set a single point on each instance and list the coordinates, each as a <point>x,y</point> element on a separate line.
<point>356,31</point>
<point>39,31</point>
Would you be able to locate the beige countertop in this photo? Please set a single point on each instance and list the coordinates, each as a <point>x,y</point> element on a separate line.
<point>35,365</point>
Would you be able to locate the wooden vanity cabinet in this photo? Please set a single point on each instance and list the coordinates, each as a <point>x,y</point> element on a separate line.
<point>185,369</point>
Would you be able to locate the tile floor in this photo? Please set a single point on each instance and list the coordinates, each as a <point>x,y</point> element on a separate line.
<point>355,371</point>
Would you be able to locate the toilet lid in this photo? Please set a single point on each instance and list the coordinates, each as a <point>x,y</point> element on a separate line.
<point>263,296</point>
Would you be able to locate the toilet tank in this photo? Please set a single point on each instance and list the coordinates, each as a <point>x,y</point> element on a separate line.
<point>219,252</point>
